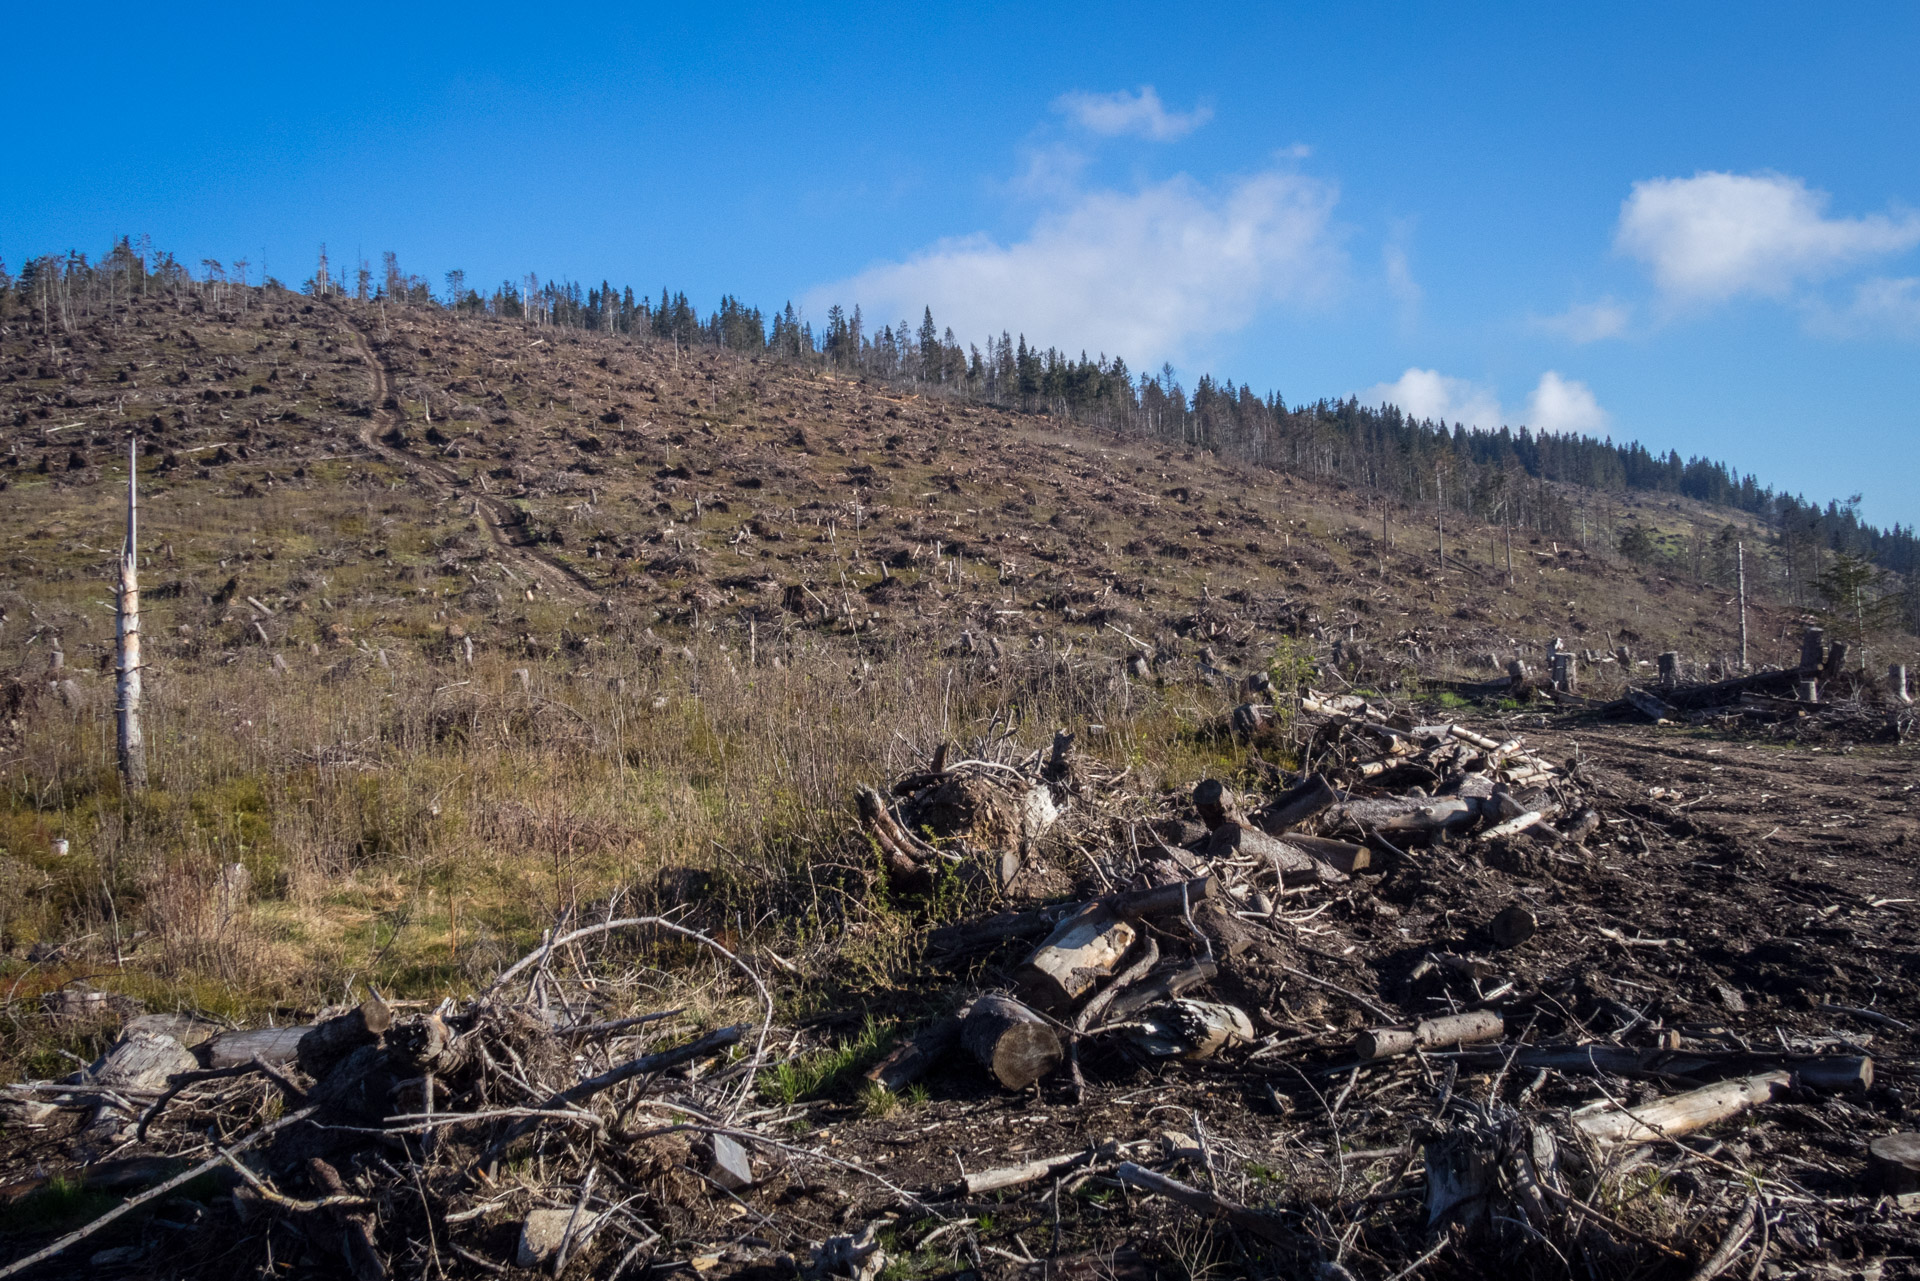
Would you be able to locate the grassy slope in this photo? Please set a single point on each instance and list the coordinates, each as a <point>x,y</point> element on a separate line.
<point>771,573</point>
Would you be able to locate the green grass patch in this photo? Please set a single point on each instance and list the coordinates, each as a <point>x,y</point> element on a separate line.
<point>819,1075</point>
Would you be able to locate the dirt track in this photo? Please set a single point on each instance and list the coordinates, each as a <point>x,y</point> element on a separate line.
<point>499,517</point>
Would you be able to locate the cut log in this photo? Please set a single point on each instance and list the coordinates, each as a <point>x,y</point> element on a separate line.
<point>1826,1074</point>
<point>1683,1113</point>
<point>1297,804</point>
<point>1897,684</point>
<point>1513,925</point>
<point>141,1061</point>
<point>1408,814</point>
<point>1082,950</point>
<point>1342,856</point>
<point>1648,706</point>
<point>911,1059</point>
<point>1163,987</point>
<point>1162,900</point>
<point>995,929</point>
<point>1014,1176</point>
<point>1289,861</point>
<point>326,1043</point>
<point>1513,826</point>
<point>1450,1029</point>
<point>1013,1043</point>
<point>1189,1030</point>
<point>272,1045</point>
<point>1894,1162</point>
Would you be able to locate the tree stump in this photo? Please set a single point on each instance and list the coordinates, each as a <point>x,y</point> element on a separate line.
<point>1894,1161</point>
<point>1813,649</point>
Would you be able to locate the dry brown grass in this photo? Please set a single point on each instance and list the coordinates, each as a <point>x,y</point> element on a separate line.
<point>413,821</point>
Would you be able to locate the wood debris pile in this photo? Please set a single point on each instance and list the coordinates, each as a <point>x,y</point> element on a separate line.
<point>1379,1014</point>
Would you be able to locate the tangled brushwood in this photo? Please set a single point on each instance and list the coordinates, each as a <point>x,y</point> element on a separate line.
<point>1387,1015</point>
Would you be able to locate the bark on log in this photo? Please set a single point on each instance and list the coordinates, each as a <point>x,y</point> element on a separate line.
<point>1312,795</point>
<point>1163,987</point>
<point>1813,649</point>
<point>1836,662</point>
<point>1082,950</point>
<point>271,1045</point>
<point>913,1058</point>
<point>1342,856</point>
<point>1684,1113</point>
<point>1014,1176</point>
<point>1214,803</point>
<point>1012,1042</point>
<point>1450,1029</point>
<point>1289,861</point>
<point>326,1043</point>
<point>1162,900</point>
<point>1189,1030</point>
<point>1408,814</point>
<point>1648,706</point>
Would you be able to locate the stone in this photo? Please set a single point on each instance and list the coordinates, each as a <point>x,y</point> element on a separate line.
<point>732,1168</point>
<point>544,1230</point>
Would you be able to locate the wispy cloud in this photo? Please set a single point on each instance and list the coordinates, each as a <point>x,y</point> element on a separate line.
<point>1717,236</point>
<point>1140,114</point>
<point>1146,274</point>
<point>1589,322</point>
<point>1401,284</point>
<point>1881,307</point>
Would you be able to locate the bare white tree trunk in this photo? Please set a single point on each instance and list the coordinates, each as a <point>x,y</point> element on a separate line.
<point>133,747</point>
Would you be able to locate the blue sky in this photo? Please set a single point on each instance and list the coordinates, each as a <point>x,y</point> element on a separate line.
<point>1694,225</point>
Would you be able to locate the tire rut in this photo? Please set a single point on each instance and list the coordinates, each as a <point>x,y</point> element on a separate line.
<point>498,516</point>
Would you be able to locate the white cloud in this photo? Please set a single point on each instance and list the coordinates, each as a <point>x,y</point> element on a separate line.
<point>1562,405</point>
<point>1590,322</point>
<point>1557,404</point>
<point>1142,274</point>
<point>1716,236</point>
<point>1141,114</point>
<point>1430,394</point>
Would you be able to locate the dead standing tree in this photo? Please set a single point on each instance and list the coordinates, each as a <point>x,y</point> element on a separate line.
<point>133,747</point>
